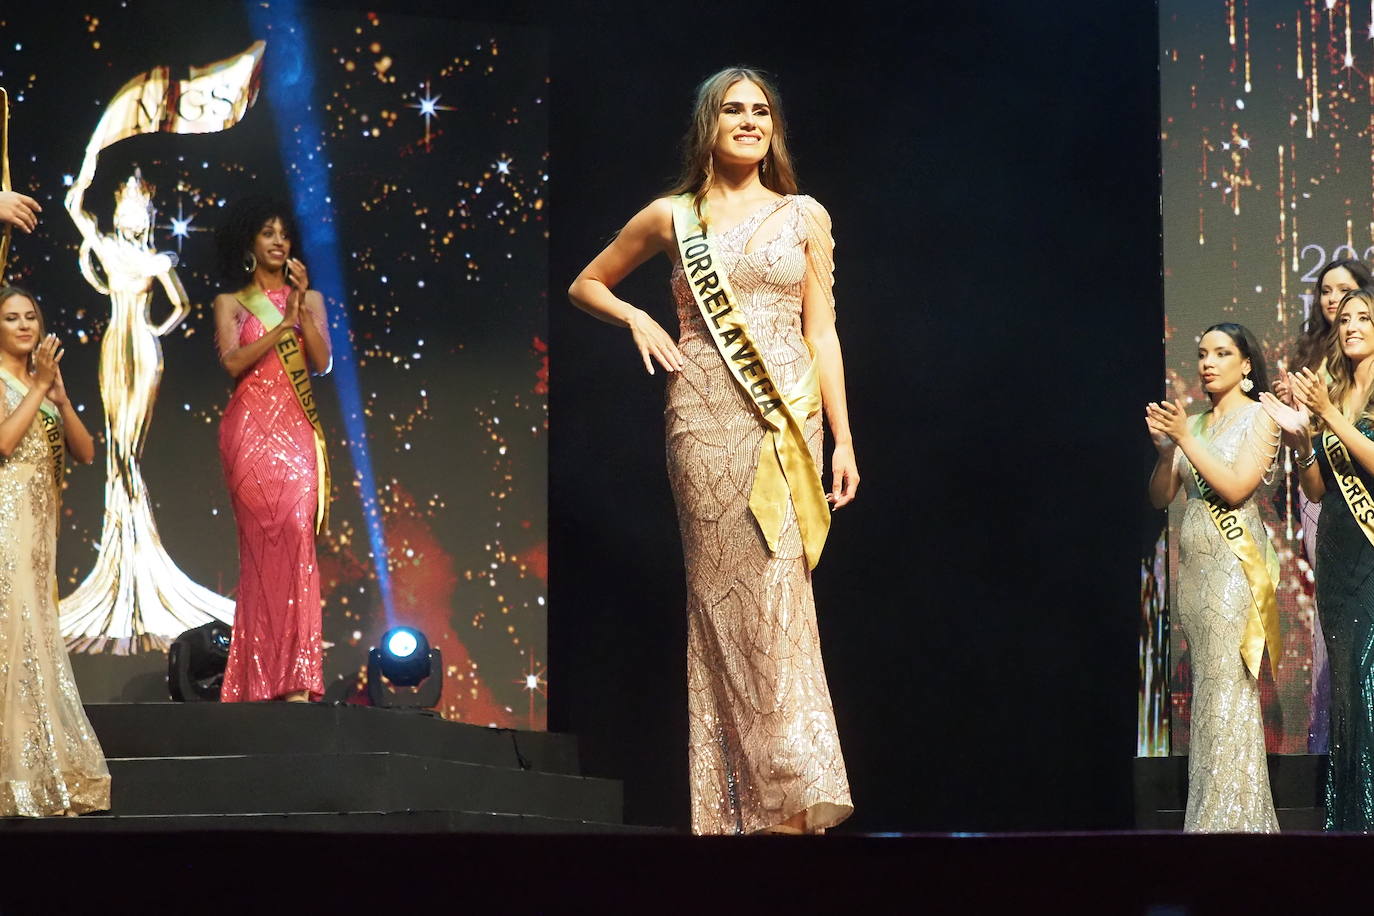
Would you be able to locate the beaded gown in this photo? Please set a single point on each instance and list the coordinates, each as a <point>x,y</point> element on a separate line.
<point>267,447</point>
<point>762,740</point>
<point>1345,599</point>
<point>1228,772</point>
<point>50,759</point>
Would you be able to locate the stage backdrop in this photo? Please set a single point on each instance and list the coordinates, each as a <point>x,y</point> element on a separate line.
<point>415,151</point>
<point>1266,117</point>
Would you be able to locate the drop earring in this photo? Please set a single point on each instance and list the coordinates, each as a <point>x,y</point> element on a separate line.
<point>250,262</point>
<point>1246,385</point>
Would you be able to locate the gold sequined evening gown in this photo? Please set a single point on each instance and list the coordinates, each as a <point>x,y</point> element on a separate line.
<point>1228,772</point>
<point>50,760</point>
<point>762,740</point>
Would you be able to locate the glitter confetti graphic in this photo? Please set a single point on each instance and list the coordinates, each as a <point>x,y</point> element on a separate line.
<point>431,137</point>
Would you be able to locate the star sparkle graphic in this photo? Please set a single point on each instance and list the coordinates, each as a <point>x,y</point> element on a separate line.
<point>429,108</point>
<point>534,683</point>
<point>180,225</point>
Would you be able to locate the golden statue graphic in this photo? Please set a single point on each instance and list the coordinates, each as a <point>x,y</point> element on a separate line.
<point>135,598</point>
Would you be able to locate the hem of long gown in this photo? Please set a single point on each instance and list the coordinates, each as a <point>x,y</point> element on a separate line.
<point>22,798</point>
<point>315,697</point>
<point>823,816</point>
<point>819,816</point>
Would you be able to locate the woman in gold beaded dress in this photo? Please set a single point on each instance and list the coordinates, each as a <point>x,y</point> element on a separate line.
<point>1232,446</point>
<point>50,760</point>
<point>764,754</point>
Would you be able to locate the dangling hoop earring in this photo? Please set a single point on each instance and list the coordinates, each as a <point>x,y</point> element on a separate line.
<point>250,262</point>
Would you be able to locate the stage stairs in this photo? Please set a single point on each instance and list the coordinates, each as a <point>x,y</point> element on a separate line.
<point>334,768</point>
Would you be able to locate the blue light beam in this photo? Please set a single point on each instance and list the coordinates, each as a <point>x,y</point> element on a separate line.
<point>289,85</point>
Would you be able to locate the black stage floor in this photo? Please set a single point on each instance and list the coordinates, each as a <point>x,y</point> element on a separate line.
<point>1162,874</point>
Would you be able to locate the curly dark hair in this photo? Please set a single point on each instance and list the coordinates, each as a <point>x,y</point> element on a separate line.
<point>234,237</point>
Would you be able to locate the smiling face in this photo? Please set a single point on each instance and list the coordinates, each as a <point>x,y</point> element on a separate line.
<point>21,326</point>
<point>272,246</point>
<point>744,125</point>
<point>1332,287</point>
<point>1355,329</point>
<point>1220,365</point>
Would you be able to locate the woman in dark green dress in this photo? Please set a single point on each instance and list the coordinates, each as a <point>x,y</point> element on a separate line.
<point>1337,467</point>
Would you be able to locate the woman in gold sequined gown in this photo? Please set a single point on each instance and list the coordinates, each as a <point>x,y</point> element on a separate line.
<point>764,754</point>
<point>1233,449</point>
<point>50,760</point>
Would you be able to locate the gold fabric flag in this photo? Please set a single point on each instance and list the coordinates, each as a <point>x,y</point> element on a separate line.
<point>212,98</point>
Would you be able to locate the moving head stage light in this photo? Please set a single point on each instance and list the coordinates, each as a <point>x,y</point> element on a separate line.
<point>405,659</point>
<point>196,661</point>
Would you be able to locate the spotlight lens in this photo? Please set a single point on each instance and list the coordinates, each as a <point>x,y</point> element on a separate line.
<point>401,644</point>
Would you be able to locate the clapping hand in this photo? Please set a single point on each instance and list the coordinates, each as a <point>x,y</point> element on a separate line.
<point>1296,422</point>
<point>1167,422</point>
<point>45,360</point>
<point>1310,391</point>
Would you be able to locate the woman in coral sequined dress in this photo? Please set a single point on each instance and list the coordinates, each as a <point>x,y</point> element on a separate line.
<point>268,449</point>
<point>764,754</point>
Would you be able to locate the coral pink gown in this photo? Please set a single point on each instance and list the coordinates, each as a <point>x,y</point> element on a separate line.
<point>267,447</point>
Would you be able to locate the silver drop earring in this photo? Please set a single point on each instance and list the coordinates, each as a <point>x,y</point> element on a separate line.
<point>1246,385</point>
<point>250,262</point>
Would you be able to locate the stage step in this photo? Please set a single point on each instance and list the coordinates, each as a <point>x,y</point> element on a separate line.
<point>1297,782</point>
<point>313,783</point>
<point>364,823</point>
<point>232,729</point>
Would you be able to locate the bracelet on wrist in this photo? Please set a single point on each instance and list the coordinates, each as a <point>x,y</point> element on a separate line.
<point>1304,463</point>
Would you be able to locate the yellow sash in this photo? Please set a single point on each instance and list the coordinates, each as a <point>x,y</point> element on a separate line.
<point>4,178</point>
<point>293,361</point>
<point>1352,488</point>
<point>785,467</point>
<point>51,419</point>
<point>1261,572</point>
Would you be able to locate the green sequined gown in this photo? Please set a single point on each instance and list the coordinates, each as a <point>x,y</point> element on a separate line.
<point>1345,599</point>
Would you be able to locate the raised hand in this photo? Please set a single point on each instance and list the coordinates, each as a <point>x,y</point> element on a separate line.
<point>19,210</point>
<point>1284,389</point>
<point>653,343</point>
<point>1311,391</point>
<point>1296,422</point>
<point>1167,422</point>
<point>45,360</point>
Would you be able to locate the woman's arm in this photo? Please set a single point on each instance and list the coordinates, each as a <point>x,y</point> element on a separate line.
<point>239,359</point>
<point>818,326</point>
<point>1312,391</point>
<point>315,333</point>
<point>1233,483</point>
<point>80,445</point>
<point>648,233</point>
<point>1296,423</point>
<point>1164,480</point>
<point>15,426</point>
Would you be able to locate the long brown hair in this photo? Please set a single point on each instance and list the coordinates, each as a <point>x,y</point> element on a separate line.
<point>1338,364</point>
<point>1312,343</point>
<point>698,170</point>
